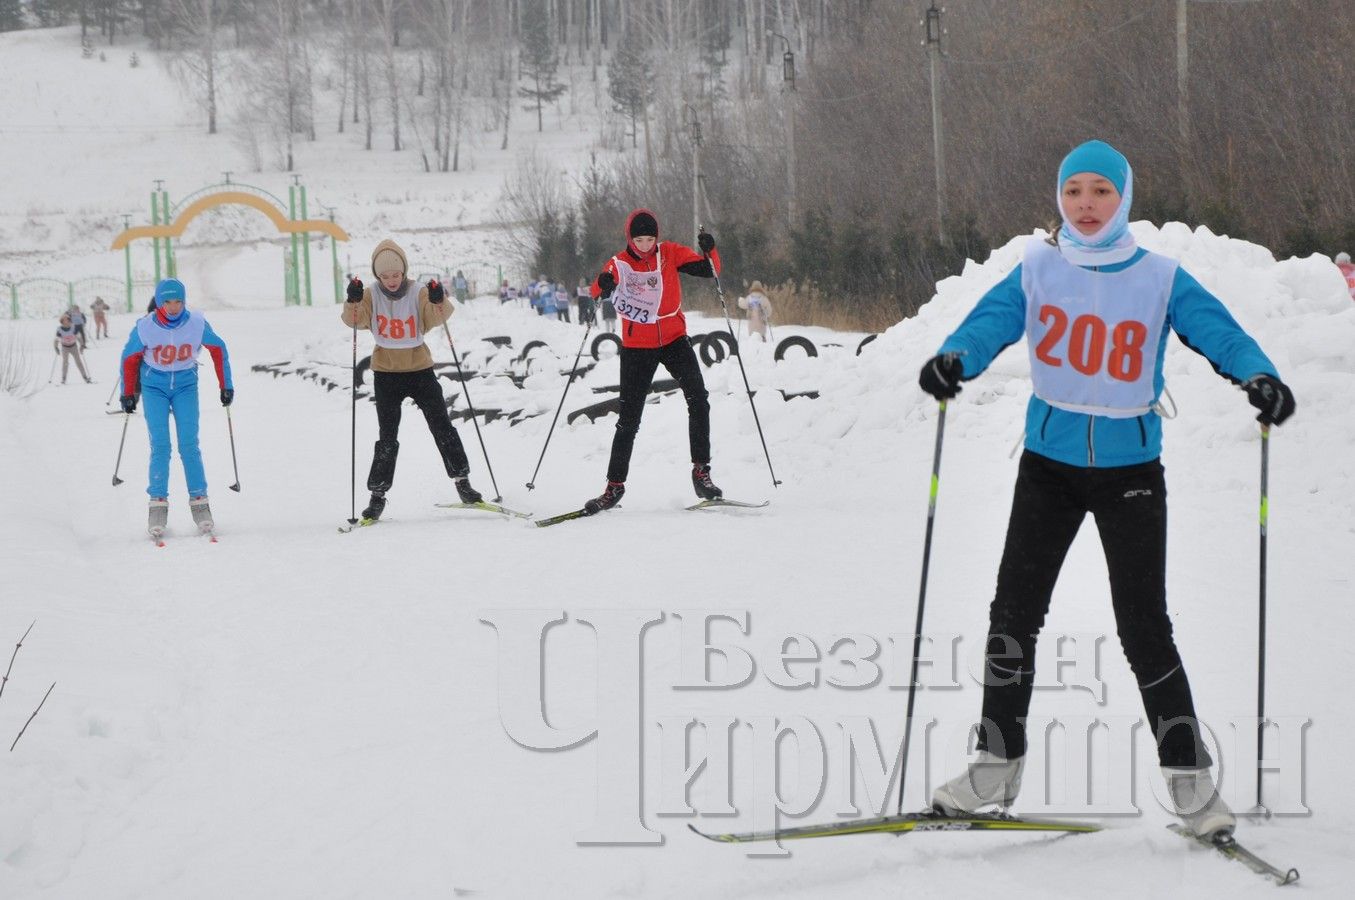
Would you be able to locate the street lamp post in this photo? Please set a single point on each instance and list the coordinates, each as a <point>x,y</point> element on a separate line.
<point>933,44</point>
<point>788,88</point>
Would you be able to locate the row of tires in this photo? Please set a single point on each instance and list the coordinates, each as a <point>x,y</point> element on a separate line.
<point>712,347</point>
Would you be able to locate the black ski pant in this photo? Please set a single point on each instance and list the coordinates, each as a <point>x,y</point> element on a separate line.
<point>1129,504</point>
<point>638,365</point>
<point>422,387</point>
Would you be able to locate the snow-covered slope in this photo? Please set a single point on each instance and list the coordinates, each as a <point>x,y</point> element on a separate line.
<point>320,713</point>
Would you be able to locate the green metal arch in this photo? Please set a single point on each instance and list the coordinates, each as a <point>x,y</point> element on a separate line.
<point>229,186</point>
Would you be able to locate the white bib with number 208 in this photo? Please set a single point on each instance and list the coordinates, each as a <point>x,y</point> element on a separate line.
<point>638,294</point>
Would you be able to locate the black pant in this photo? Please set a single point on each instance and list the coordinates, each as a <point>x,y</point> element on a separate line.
<point>638,366</point>
<point>1129,504</point>
<point>422,387</point>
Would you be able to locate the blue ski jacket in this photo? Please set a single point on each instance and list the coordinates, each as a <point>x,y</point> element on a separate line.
<point>1199,319</point>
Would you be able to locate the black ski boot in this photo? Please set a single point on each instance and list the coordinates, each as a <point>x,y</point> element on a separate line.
<point>376,507</point>
<point>467,493</point>
<point>608,499</point>
<point>705,488</point>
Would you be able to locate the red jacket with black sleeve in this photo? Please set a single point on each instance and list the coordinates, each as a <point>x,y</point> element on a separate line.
<point>669,258</point>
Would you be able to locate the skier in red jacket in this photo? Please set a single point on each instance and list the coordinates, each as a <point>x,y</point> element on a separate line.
<point>642,283</point>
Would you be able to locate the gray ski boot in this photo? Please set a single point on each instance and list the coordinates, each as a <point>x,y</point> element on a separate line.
<point>159,517</point>
<point>202,514</point>
<point>989,780</point>
<point>1198,803</point>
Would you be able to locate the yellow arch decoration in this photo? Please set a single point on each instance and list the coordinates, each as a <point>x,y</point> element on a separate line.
<point>224,198</point>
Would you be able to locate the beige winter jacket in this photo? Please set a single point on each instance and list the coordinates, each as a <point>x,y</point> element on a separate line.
<point>431,316</point>
<point>385,359</point>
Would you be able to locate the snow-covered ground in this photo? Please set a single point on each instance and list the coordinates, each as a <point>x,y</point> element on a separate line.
<point>297,713</point>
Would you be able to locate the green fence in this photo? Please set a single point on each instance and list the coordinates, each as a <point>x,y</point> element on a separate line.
<point>48,298</point>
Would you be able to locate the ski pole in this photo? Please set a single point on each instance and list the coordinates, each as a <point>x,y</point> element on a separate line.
<point>465,392</point>
<point>1261,652</point>
<point>231,428</point>
<point>51,376</point>
<point>922,598</point>
<point>719,291</point>
<point>353,441</point>
<point>531,485</point>
<point>117,381</point>
<point>126,417</point>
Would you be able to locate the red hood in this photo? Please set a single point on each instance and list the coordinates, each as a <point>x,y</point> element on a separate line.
<point>629,244</point>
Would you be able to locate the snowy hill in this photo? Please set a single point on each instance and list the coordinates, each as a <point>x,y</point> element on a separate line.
<point>297,713</point>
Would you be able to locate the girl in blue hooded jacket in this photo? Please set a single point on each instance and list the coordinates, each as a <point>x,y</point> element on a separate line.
<point>1096,310</point>
<point>161,359</point>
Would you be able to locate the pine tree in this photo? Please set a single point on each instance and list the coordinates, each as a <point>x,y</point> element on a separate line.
<point>11,15</point>
<point>628,83</point>
<point>538,60</point>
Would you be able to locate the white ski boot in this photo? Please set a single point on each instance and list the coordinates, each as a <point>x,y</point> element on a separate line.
<point>990,780</point>
<point>202,514</point>
<point>159,517</point>
<point>1198,803</point>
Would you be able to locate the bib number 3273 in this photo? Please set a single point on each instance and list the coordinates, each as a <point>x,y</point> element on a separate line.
<point>1087,344</point>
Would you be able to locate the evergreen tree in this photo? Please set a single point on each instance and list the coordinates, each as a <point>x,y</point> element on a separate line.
<point>628,82</point>
<point>11,15</point>
<point>538,59</point>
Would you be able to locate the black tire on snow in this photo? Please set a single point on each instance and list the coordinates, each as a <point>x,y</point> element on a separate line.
<point>526,351</point>
<point>710,350</point>
<point>795,340</point>
<point>722,344</point>
<point>603,338</point>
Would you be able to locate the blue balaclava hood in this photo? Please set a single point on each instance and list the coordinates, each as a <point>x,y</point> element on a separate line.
<point>170,289</point>
<point>1113,243</point>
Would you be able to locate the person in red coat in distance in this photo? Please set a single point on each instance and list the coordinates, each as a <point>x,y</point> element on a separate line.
<point>642,283</point>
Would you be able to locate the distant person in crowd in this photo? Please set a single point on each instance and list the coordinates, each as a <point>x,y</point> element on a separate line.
<point>642,281</point>
<point>460,287</point>
<point>1348,270</point>
<point>587,310</point>
<point>1093,445</point>
<point>400,312</point>
<point>506,293</point>
<point>78,322</point>
<point>67,345</point>
<point>759,310</point>
<point>537,292</point>
<point>100,310</point>
<point>160,361</point>
<point>561,301</point>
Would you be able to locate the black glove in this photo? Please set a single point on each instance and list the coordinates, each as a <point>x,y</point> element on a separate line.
<point>227,395</point>
<point>1272,397</point>
<point>128,403</point>
<point>941,376</point>
<point>706,241</point>
<point>355,290</point>
<point>435,292</point>
<point>606,284</point>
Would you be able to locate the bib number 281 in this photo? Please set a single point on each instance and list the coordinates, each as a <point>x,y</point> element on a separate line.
<point>1087,351</point>
<point>395,328</point>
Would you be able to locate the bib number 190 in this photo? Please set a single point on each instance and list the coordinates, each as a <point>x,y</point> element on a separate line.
<point>168,354</point>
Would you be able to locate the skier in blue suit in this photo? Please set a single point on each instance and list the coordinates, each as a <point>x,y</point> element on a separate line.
<point>161,357</point>
<point>1096,311</point>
